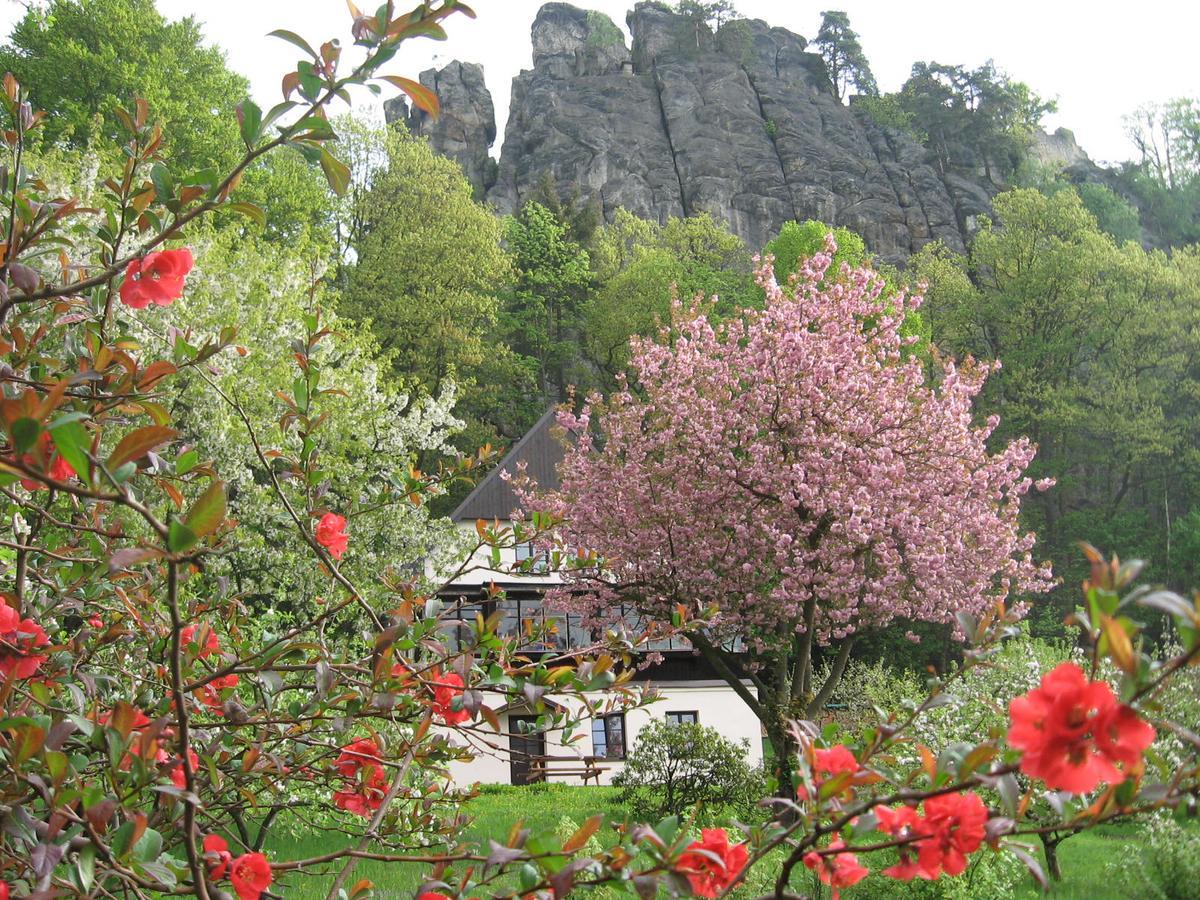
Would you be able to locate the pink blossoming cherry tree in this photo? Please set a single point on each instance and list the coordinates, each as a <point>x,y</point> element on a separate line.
<point>791,479</point>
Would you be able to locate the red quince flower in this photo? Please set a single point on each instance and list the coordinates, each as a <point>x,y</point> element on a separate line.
<point>331,534</point>
<point>210,693</point>
<point>904,822</point>
<point>3,890</point>
<point>952,827</point>
<point>250,876</point>
<point>178,778</point>
<point>1123,735</point>
<point>446,688</point>
<point>955,824</point>
<point>156,278</point>
<point>706,875</point>
<point>19,638</point>
<point>46,457</point>
<point>96,622</point>
<point>829,761</point>
<point>1073,732</point>
<point>217,855</point>
<point>433,895</point>
<point>211,644</point>
<point>838,871</point>
<point>354,756</point>
<point>360,762</point>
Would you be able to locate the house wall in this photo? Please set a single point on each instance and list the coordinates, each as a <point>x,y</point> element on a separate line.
<point>716,703</point>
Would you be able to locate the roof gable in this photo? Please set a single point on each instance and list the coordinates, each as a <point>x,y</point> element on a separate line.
<point>493,498</point>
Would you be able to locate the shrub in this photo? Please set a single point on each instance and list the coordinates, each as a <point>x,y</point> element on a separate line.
<point>674,768</point>
<point>1168,868</point>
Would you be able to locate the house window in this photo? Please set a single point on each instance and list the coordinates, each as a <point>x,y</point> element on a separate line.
<point>608,736</point>
<point>685,717</point>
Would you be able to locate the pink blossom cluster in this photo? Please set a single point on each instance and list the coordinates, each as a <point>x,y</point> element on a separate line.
<point>796,452</point>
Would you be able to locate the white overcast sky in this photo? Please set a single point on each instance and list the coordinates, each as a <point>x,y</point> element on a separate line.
<point>1098,59</point>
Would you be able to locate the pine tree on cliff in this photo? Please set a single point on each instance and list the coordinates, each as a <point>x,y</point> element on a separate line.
<point>838,45</point>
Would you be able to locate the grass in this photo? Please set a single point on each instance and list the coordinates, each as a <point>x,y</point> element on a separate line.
<point>1084,857</point>
<point>540,807</point>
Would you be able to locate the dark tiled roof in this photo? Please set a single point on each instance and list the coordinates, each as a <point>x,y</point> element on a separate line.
<point>493,498</point>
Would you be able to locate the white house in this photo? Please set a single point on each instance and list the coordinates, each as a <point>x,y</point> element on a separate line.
<point>688,690</point>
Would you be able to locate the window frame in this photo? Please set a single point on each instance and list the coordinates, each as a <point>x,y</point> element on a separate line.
<point>606,727</point>
<point>694,713</point>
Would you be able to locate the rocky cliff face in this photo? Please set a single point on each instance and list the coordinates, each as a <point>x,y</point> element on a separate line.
<point>742,124</point>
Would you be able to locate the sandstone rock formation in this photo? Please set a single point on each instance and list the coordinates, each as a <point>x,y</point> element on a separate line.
<point>466,127</point>
<point>742,124</point>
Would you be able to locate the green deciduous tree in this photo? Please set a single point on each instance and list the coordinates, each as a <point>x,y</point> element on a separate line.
<point>429,265</point>
<point>640,265</point>
<point>972,117</point>
<point>543,307</point>
<point>84,58</point>
<point>1098,343</point>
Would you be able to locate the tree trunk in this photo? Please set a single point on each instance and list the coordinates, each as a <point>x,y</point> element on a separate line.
<point>783,751</point>
<point>1050,844</point>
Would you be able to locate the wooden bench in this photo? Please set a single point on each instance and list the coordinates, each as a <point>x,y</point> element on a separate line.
<point>542,767</point>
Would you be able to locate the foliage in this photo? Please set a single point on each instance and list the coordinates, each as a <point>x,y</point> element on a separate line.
<point>640,266</point>
<point>1114,216</point>
<point>436,313</point>
<point>675,767</point>
<point>972,118</point>
<point>837,43</point>
<point>1071,314</point>
<point>797,242</point>
<point>543,307</point>
<point>82,59</point>
<point>1167,137</point>
<point>602,32</point>
<point>1169,866</point>
<point>795,475</point>
<point>887,111</point>
<point>711,12</point>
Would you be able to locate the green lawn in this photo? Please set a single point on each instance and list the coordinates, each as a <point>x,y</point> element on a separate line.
<point>539,806</point>
<point>1083,856</point>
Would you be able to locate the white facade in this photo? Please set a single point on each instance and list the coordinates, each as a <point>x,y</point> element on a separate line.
<point>714,702</point>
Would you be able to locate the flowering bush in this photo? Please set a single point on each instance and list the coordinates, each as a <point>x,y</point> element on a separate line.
<point>155,721</point>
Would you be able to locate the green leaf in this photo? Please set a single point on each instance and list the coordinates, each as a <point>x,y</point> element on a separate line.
<point>250,122</point>
<point>85,864</point>
<point>315,128</point>
<point>186,462</point>
<point>179,536</point>
<point>337,173</point>
<point>120,839</point>
<point>149,847</point>
<point>250,211</point>
<point>164,184</point>
<point>71,440</point>
<point>276,111</point>
<point>208,512</point>
<point>25,433</point>
<point>292,38</point>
